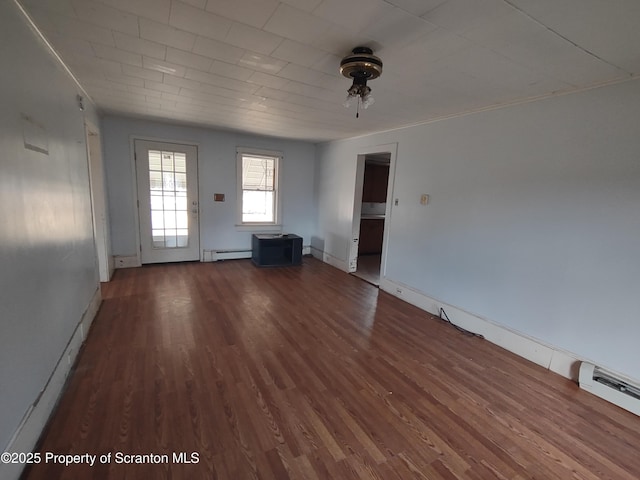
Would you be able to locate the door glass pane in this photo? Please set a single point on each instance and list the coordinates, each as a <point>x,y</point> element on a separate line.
<point>181,202</point>
<point>180,160</point>
<point>183,238</point>
<point>168,189</point>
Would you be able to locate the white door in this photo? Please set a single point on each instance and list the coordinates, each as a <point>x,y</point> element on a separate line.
<point>167,176</point>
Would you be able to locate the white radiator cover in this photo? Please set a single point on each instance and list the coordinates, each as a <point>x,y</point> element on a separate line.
<point>611,387</point>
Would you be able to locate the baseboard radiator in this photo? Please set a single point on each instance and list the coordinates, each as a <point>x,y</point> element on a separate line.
<point>218,255</point>
<point>236,254</point>
<point>610,386</point>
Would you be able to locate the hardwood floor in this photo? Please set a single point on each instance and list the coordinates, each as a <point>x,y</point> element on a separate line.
<point>309,373</point>
<point>369,268</point>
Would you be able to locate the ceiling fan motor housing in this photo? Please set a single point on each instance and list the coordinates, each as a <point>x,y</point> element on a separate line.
<point>361,65</point>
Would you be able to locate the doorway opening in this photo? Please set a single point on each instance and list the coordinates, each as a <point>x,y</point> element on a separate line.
<point>372,208</point>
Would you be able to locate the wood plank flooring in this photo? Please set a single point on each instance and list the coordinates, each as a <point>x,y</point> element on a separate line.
<point>309,373</point>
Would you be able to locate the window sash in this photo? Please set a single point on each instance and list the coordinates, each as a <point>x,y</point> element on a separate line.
<point>258,195</point>
<point>258,173</point>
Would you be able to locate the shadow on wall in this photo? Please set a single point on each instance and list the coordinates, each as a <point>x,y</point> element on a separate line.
<point>317,243</point>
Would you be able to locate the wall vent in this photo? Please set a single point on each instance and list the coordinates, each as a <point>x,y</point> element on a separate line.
<point>611,387</point>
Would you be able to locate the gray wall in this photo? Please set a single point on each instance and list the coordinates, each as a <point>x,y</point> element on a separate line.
<point>47,260</point>
<point>533,220</point>
<point>216,174</point>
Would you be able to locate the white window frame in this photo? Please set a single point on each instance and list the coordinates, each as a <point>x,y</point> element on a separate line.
<point>276,225</point>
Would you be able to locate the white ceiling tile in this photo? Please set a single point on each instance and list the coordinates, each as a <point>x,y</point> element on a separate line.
<point>166,35</point>
<point>341,42</point>
<point>188,59</point>
<point>555,56</point>
<point>223,92</point>
<point>139,45</point>
<point>165,103</point>
<point>353,15</point>
<point>162,87</point>
<point>196,3</point>
<point>219,81</point>
<point>329,64</point>
<point>126,80</point>
<point>182,82</point>
<point>144,91</point>
<point>142,73</point>
<point>261,62</point>
<point>68,45</point>
<point>72,27</point>
<point>309,76</point>
<point>313,92</point>
<point>416,7</point>
<point>295,24</point>
<point>103,84</point>
<point>61,7</point>
<point>306,5</point>
<point>267,80</point>
<point>163,67</point>
<point>490,66</point>
<point>230,70</point>
<point>464,84</point>
<point>173,97</point>
<point>201,97</point>
<point>244,36</point>
<point>599,27</point>
<point>195,20</point>
<point>218,50</point>
<point>461,15</point>
<point>94,66</point>
<point>105,16</point>
<point>397,28</point>
<point>157,10</point>
<point>249,12</point>
<point>425,53</point>
<point>299,53</point>
<point>117,55</point>
<point>503,31</point>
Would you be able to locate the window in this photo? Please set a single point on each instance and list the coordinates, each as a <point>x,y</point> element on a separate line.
<point>168,191</point>
<point>258,199</point>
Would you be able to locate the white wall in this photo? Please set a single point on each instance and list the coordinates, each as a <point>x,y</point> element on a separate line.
<point>533,221</point>
<point>217,174</point>
<point>48,274</point>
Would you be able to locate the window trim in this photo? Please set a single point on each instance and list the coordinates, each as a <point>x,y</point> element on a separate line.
<point>276,225</point>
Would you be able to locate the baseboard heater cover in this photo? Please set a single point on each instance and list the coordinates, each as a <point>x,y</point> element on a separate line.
<point>609,386</point>
<point>218,255</point>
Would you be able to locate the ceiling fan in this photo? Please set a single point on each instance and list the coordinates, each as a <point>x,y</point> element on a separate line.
<point>361,65</point>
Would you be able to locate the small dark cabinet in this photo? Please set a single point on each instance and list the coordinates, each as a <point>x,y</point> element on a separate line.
<point>276,250</point>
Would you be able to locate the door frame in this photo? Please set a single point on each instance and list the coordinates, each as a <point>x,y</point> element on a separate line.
<point>99,203</point>
<point>391,149</point>
<point>134,182</point>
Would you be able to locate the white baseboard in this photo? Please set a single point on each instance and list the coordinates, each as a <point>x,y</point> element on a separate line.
<point>555,359</point>
<point>35,419</point>
<point>121,261</point>
<point>330,259</point>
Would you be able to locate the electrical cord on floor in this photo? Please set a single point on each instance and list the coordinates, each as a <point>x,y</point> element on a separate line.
<point>445,318</point>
